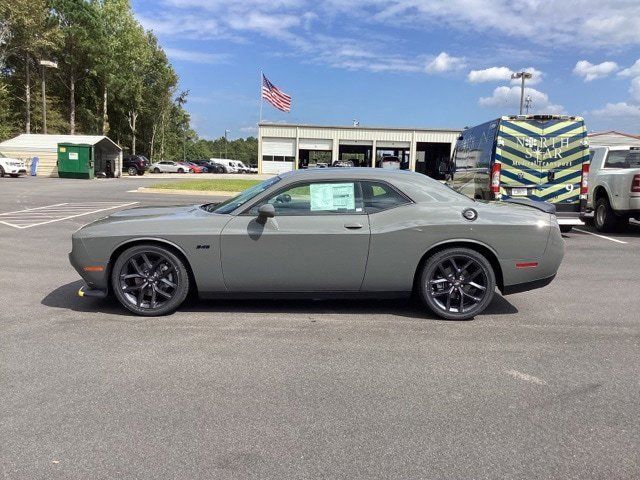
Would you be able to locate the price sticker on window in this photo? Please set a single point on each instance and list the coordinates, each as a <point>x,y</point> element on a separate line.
<point>332,196</point>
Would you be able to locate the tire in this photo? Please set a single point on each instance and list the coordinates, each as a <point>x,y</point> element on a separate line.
<point>440,290</point>
<point>148,274</point>
<point>181,170</point>
<point>605,219</point>
<point>156,170</point>
<point>1,172</point>
<point>132,171</point>
<point>566,228</point>
<point>14,175</point>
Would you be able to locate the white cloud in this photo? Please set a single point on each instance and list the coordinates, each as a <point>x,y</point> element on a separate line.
<point>491,74</point>
<point>545,22</point>
<point>632,71</point>
<point>634,89</point>
<point>196,57</point>
<point>509,98</point>
<point>444,63</point>
<point>501,74</point>
<point>590,71</point>
<point>618,110</point>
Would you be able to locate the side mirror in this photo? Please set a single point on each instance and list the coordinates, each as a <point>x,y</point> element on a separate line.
<point>266,211</point>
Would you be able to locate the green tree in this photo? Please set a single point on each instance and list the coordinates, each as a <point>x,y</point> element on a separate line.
<point>77,21</point>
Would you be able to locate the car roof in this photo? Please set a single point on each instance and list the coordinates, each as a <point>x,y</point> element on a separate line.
<point>357,173</point>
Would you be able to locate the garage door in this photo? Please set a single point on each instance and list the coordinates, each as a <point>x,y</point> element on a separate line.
<point>279,147</point>
<point>315,144</point>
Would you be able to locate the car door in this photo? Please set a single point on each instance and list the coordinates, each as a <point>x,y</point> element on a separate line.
<point>317,241</point>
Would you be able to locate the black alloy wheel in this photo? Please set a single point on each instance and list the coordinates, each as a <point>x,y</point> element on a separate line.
<point>457,283</point>
<point>150,280</point>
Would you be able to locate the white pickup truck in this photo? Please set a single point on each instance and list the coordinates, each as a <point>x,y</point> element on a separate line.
<point>614,187</point>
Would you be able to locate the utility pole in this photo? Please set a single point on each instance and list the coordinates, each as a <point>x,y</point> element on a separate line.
<point>523,76</point>
<point>43,64</point>
<point>225,142</point>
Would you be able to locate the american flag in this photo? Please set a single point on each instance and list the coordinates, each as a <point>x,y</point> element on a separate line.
<point>274,96</point>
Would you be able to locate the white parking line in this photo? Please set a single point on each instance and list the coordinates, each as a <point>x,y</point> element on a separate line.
<point>526,377</point>
<point>32,217</point>
<point>600,236</point>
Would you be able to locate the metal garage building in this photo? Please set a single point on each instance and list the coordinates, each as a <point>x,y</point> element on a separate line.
<point>611,138</point>
<point>45,147</point>
<point>284,147</point>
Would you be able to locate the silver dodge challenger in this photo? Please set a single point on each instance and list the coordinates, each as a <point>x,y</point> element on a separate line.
<point>344,232</point>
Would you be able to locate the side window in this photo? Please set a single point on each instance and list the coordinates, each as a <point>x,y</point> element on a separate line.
<point>317,198</point>
<point>378,196</point>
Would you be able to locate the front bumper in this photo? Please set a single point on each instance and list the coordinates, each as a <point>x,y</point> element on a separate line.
<point>15,170</point>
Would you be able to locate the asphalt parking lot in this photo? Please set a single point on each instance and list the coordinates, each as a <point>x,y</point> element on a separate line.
<point>544,385</point>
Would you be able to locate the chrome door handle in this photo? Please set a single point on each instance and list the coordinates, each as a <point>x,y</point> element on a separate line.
<point>353,226</point>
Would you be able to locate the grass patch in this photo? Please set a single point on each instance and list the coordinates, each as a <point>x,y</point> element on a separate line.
<point>215,185</point>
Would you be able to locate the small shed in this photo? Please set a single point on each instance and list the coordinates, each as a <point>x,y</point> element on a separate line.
<point>612,138</point>
<point>107,154</point>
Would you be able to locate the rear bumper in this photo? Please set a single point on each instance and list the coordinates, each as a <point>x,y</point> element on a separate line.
<point>569,218</point>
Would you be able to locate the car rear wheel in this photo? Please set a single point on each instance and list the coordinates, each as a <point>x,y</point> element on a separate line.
<point>1,172</point>
<point>457,283</point>
<point>605,218</point>
<point>150,280</point>
<point>132,171</point>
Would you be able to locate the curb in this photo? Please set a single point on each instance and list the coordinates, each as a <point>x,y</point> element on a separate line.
<point>167,191</point>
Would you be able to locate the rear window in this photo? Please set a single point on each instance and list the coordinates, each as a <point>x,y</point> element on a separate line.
<point>623,159</point>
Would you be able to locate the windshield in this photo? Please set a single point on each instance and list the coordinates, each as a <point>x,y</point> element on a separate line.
<point>239,200</point>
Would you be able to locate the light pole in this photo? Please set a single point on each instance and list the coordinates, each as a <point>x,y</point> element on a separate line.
<point>43,64</point>
<point>225,142</point>
<point>523,76</point>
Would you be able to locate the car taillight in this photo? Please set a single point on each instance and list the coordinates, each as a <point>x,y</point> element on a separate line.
<point>635,185</point>
<point>584,184</point>
<point>495,179</point>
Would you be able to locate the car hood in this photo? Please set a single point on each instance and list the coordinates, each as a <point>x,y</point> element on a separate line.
<point>155,212</point>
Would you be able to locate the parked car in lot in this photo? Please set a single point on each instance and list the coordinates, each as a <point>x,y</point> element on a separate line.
<point>229,166</point>
<point>613,195</point>
<point>209,166</point>
<point>342,163</point>
<point>324,233</point>
<point>193,167</point>
<point>135,164</point>
<point>12,167</point>
<point>540,157</point>
<point>166,166</point>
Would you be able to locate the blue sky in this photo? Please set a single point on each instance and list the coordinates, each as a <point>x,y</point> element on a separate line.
<point>422,63</point>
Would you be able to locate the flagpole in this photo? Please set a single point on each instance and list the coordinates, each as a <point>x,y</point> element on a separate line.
<point>260,118</point>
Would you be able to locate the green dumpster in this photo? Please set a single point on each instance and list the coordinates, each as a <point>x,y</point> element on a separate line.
<point>75,160</point>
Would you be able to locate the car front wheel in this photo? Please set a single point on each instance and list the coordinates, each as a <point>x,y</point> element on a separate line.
<point>457,283</point>
<point>156,170</point>
<point>150,280</point>
<point>2,173</point>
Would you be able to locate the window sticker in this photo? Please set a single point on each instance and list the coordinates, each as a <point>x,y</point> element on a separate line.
<point>332,196</point>
<point>73,155</point>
